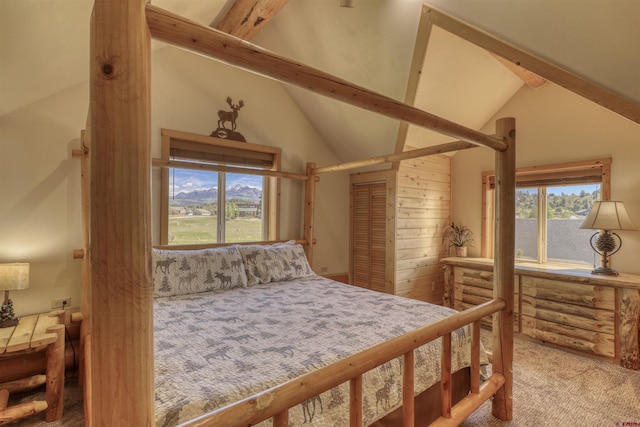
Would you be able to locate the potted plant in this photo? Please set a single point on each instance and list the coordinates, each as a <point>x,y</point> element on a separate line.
<point>458,236</point>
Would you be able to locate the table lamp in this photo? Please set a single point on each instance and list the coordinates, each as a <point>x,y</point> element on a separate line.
<point>607,216</point>
<point>13,277</point>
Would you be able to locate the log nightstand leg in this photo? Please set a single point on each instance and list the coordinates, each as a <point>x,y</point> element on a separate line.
<point>55,375</point>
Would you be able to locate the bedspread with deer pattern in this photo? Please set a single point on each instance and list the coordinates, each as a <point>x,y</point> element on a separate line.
<point>214,348</point>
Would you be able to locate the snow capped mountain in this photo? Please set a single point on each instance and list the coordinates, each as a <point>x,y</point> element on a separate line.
<point>210,196</point>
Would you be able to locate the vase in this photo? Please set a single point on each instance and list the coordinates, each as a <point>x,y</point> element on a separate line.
<point>461,251</point>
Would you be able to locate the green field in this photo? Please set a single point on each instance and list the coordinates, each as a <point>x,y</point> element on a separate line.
<point>185,230</point>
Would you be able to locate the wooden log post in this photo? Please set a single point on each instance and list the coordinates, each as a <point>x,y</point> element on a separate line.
<point>504,268</point>
<point>122,388</point>
<point>629,328</point>
<point>85,275</point>
<point>309,206</point>
<point>408,389</point>
<point>55,375</point>
<point>355,399</point>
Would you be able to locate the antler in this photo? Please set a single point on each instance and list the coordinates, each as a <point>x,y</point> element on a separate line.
<point>229,101</point>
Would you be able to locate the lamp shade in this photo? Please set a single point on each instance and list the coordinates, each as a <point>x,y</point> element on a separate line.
<point>608,215</point>
<point>14,276</point>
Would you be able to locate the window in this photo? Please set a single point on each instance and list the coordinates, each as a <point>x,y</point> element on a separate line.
<point>217,193</point>
<point>551,204</point>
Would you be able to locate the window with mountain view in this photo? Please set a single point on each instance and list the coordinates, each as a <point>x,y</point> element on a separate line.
<point>552,202</point>
<point>205,205</point>
<point>217,206</point>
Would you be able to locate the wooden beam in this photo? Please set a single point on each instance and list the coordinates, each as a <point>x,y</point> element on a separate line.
<point>122,390</point>
<point>504,268</point>
<point>245,18</point>
<point>415,72</point>
<point>220,168</point>
<point>177,30</point>
<point>532,80</point>
<point>405,155</point>
<point>552,72</point>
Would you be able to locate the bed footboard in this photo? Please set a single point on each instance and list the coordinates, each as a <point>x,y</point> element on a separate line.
<point>275,402</point>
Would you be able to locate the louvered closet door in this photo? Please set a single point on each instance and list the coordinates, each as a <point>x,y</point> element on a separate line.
<point>369,235</point>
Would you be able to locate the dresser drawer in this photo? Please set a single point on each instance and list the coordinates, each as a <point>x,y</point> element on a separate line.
<point>478,278</point>
<point>571,315</point>
<point>567,292</point>
<point>597,343</point>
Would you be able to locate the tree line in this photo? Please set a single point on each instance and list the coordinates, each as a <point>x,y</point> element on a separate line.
<point>559,206</point>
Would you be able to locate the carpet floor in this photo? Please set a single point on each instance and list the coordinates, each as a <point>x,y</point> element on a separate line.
<point>552,387</point>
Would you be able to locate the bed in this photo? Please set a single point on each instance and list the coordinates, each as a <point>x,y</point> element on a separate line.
<point>117,298</point>
<point>234,321</point>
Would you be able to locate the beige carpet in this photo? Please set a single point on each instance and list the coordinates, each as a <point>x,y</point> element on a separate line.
<point>551,388</point>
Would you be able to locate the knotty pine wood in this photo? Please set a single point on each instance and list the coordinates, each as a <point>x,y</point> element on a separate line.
<point>573,309</point>
<point>423,210</point>
<point>245,18</point>
<point>122,388</point>
<point>503,271</point>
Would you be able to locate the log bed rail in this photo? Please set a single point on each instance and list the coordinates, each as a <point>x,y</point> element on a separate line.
<point>116,155</point>
<point>276,401</point>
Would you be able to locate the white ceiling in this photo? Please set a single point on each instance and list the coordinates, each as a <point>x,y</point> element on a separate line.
<point>44,49</point>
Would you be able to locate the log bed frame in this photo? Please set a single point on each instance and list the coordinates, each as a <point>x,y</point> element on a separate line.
<point>117,326</point>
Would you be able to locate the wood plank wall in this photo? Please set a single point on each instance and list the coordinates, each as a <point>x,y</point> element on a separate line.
<point>423,209</point>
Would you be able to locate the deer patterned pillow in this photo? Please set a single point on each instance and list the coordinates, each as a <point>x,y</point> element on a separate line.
<point>179,272</point>
<point>274,263</point>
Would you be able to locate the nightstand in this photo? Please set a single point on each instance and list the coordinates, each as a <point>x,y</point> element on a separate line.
<point>40,332</point>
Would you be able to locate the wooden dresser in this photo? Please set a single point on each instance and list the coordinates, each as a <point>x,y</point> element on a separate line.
<point>570,308</point>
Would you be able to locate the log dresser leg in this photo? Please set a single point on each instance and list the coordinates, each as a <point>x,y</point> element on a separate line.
<point>55,375</point>
<point>629,328</point>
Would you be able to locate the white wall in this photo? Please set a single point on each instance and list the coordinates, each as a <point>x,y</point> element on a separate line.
<point>598,39</point>
<point>40,196</point>
<point>554,125</point>
<point>40,184</point>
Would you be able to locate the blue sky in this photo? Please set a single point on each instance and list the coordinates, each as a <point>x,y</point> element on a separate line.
<point>185,180</point>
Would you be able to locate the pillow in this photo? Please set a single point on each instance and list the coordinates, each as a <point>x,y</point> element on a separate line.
<point>273,263</point>
<point>179,272</point>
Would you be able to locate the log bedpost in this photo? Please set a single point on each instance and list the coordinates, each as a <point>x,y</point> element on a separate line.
<point>309,206</point>
<point>504,268</point>
<point>85,276</point>
<point>122,390</point>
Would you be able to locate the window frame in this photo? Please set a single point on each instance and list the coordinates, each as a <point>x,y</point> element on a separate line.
<point>224,156</point>
<point>569,173</point>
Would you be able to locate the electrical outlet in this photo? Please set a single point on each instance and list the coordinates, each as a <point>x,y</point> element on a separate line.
<point>433,286</point>
<point>59,303</point>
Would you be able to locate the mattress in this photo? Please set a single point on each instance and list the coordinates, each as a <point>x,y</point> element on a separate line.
<point>214,348</point>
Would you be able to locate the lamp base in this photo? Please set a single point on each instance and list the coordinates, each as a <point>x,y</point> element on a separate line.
<point>8,323</point>
<point>604,271</point>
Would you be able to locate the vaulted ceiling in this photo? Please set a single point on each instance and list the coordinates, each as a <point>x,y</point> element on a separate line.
<point>44,49</point>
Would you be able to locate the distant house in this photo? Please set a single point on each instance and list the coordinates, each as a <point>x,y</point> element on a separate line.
<point>249,210</point>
